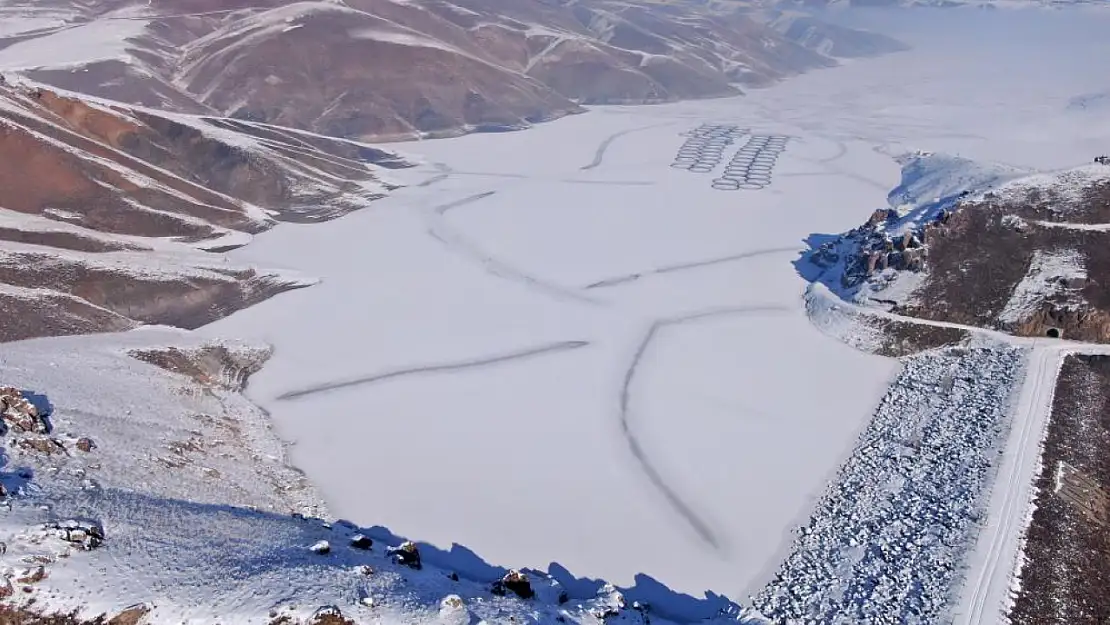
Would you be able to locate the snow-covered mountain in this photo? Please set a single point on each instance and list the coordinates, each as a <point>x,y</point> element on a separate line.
<point>111,213</point>
<point>385,68</point>
<point>980,4</point>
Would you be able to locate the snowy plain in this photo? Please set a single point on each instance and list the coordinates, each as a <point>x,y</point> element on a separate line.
<point>680,418</point>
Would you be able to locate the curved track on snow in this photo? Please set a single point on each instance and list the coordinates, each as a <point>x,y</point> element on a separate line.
<point>455,241</point>
<point>684,509</point>
<point>603,147</point>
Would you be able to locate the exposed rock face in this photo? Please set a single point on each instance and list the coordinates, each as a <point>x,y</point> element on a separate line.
<point>210,365</point>
<point>109,211</point>
<point>19,413</point>
<point>131,616</point>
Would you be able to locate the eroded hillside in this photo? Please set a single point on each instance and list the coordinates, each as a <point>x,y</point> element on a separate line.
<point>378,69</point>
<point>113,216</point>
<point>986,247</point>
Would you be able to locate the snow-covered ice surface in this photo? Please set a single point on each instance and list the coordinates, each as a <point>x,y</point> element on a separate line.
<point>203,521</point>
<point>601,352</point>
<point>620,354</point>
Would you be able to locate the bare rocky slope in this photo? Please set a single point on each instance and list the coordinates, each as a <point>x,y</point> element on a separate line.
<point>378,69</point>
<point>113,216</point>
<point>988,247</point>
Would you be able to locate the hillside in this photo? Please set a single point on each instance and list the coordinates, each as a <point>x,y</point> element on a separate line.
<point>982,245</point>
<point>948,4</point>
<point>114,216</point>
<point>438,68</point>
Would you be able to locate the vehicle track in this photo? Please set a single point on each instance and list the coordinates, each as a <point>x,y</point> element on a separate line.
<point>701,528</point>
<point>603,147</point>
<point>632,277</point>
<point>473,363</point>
<point>438,228</point>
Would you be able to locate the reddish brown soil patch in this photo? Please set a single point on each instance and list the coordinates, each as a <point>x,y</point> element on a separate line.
<point>64,240</point>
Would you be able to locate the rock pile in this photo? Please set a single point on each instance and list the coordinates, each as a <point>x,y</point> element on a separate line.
<point>886,542</point>
<point>515,582</point>
<point>17,412</point>
<point>407,554</point>
<point>87,535</point>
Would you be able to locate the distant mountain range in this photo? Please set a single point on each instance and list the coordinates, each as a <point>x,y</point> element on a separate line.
<point>982,4</point>
<point>387,69</point>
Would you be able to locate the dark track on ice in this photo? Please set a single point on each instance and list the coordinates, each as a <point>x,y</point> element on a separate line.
<point>561,346</point>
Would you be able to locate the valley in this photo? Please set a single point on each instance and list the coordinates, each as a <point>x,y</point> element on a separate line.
<point>616,346</point>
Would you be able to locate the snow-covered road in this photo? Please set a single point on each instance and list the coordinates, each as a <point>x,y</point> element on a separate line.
<point>995,561</point>
<point>992,567</point>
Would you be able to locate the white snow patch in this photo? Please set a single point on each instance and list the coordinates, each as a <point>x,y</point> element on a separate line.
<point>1051,275</point>
<point>100,40</point>
<point>934,178</point>
<point>402,38</point>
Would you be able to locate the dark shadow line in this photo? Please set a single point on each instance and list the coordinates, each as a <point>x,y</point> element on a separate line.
<point>684,510</point>
<point>603,147</point>
<point>618,280</point>
<point>454,366</point>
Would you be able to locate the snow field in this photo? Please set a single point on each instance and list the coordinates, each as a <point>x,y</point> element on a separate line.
<point>627,439</point>
<point>579,232</point>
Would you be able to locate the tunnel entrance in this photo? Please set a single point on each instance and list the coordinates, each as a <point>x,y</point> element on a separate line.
<point>1053,333</point>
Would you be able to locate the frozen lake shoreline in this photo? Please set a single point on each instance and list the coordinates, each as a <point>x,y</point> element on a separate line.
<point>677,421</point>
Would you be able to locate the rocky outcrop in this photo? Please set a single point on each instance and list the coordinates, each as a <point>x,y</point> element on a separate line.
<point>18,413</point>
<point>86,535</point>
<point>1025,256</point>
<point>223,366</point>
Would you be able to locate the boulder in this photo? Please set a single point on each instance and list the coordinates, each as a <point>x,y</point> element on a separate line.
<point>86,534</point>
<point>407,554</point>
<point>358,541</point>
<point>19,413</point>
<point>516,583</point>
<point>85,444</point>
<point>329,615</point>
<point>132,615</point>
<point>322,547</point>
<point>453,611</point>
